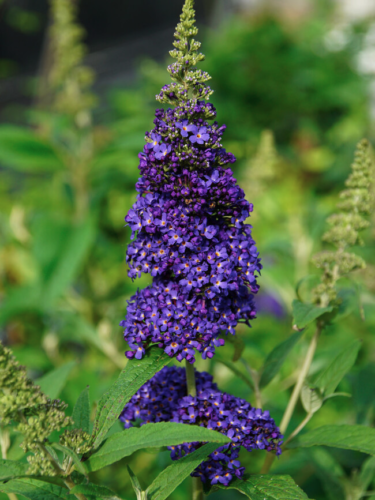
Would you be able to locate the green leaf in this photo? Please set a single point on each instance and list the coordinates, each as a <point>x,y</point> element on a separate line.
<point>53,382</point>
<point>267,488</point>
<point>135,483</point>
<point>34,489</point>
<point>123,444</point>
<point>367,474</point>
<point>72,255</point>
<point>238,344</point>
<point>304,314</point>
<point>328,471</point>
<point>21,149</point>
<point>172,476</point>
<point>329,379</point>
<point>96,491</point>
<point>311,398</point>
<point>243,376</point>
<point>81,411</point>
<point>276,358</point>
<point>133,376</point>
<point>348,437</point>
<point>80,467</point>
<point>12,468</point>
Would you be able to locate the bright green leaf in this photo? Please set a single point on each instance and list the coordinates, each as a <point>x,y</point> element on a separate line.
<point>53,382</point>
<point>34,489</point>
<point>267,488</point>
<point>348,437</point>
<point>12,468</point>
<point>21,149</point>
<point>81,411</point>
<point>276,358</point>
<point>132,377</point>
<point>329,379</point>
<point>304,314</point>
<point>172,476</point>
<point>123,444</point>
<point>135,483</point>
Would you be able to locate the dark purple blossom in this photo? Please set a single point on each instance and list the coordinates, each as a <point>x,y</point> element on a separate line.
<point>164,398</point>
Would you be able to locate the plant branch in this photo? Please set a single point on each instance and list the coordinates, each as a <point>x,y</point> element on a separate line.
<point>298,429</point>
<point>192,391</point>
<point>296,393</point>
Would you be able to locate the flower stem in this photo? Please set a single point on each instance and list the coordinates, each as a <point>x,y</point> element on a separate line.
<point>298,429</point>
<point>192,391</point>
<point>295,394</point>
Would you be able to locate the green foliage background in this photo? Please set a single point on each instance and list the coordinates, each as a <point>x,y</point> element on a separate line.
<point>64,281</point>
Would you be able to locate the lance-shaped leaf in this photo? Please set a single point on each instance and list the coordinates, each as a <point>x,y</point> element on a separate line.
<point>304,314</point>
<point>12,468</point>
<point>311,398</point>
<point>136,484</point>
<point>329,379</point>
<point>35,489</point>
<point>172,476</point>
<point>367,474</point>
<point>123,444</point>
<point>348,437</point>
<point>267,488</point>
<point>53,382</point>
<point>276,358</point>
<point>132,377</point>
<point>81,411</point>
<point>95,491</point>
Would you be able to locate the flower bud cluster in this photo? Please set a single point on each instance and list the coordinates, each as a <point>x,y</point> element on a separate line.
<point>345,225</point>
<point>191,236</point>
<point>23,402</point>
<point>164,398</point>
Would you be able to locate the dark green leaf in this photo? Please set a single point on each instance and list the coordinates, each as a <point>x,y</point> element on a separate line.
<point>21,149</point>
<point>234,368</point>
<point>123,444</point>
<point>12,468</point>
<point>328,471</point>
<point>81,411</point>
<point>304,314</point>
<point>268,488</point>
<point>348,437</point>
<point>238,344</point>
<point>96,491</point>
<point>276,358</point>
<point>135,482</point>
<point>367,474</point>
<point>172,476</point>
<point>34,489</point>
<point>134,375</point>
<point>329,379</point>
<point>80,467</point>
<point>53,382</point>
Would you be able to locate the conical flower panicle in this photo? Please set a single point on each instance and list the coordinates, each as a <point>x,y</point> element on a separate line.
<point>189,228</point>
<point>164,398</point>
<point>355,203</point>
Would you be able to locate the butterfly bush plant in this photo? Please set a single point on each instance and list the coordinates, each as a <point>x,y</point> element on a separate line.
<point>190,233</point>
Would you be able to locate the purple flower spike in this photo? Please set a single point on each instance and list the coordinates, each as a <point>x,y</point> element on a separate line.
<point>164,399</point>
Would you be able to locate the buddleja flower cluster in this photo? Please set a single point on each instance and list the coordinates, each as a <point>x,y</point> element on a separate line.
<point>164,399</point>
<point>188,223</point>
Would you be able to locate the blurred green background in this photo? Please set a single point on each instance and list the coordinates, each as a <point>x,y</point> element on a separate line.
<point>295,86</point>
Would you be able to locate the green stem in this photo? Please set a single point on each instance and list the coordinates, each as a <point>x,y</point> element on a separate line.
<point>295,394</point>
<point>192,391</point>
<point>298,429</point>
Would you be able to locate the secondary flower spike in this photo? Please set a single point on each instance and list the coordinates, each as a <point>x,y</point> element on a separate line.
<point>188,223</point>
<point>164,399</point>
